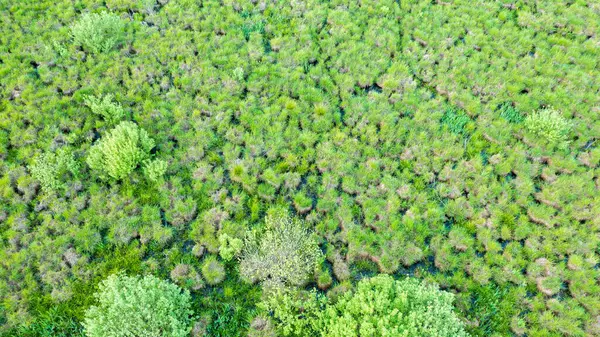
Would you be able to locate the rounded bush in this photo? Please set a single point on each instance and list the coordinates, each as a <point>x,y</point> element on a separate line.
<point>213,270</point>
<point>98,32</point>
<point>381,306</point>
<point>286,254</point>
<point>122,150</point>
<point>138,306</point>
<point>549,124</point>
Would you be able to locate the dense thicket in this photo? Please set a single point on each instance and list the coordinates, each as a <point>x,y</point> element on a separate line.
<point>380,306</point>
<point>453,141</point>
<point>135,306</point>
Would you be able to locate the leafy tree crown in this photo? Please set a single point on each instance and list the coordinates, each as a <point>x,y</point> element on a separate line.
<point>139,306</point>
<point>98,32</point>
<point>119,152</point>
<point>284,255</point>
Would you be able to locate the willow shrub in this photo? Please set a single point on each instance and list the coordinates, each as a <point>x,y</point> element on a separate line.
<point>119,152</point>
<point>98,32</point>
<point>286,254</point>
<point>139,306</point>
<point>380,306</point>
<point>104,106</point>
<point>548,124</point>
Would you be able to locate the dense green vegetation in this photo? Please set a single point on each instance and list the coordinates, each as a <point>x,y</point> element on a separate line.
<point>133,306</point>
<point>252,153</point>
<point>380,306</point>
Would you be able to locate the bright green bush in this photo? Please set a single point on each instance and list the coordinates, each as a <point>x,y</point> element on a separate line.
<point>286,254</point>
<point>379,306</point>
<point>119,152</point>
<point>52,169</point>
<point>104,106</point>
<point>98,32</point>
<point>548,124</point>
<point>229,247</point>
<point>139,306</point>
<point>154,169</point>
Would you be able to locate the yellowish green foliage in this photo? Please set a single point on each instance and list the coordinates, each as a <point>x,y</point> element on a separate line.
<point>154,169</point>
<point>285,254</point>
<point>52,169</point>
<point>378,307</point>
<point>138,306</point>
<point>548,124</point>
<point>104,106</point>
<point>98,32</point>
<point>120,151</point>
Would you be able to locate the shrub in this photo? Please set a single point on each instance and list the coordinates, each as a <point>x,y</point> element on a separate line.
<point>380,306</point>
<point>286,254</point>
<point>121,151</point>
<point>213,270</point>
<point>187,277</point>
<point>154,169</point>
<point>229,247</point>
<point>104,106</point>
<point>98,32</point>
<point>549,124</point>
<point>50,169</point>
<point>295,312</point>
<point>139,306</point>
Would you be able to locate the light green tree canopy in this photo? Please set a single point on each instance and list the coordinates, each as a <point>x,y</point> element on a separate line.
<point>139,306</point>
<point>119,152</point>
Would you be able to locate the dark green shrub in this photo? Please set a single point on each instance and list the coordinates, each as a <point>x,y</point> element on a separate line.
<point>510,113</point>
<point>455,120</point>
<point>53,323</point>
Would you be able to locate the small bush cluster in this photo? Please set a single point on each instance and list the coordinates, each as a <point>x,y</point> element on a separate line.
<point>510,113</point>
<point>455,120</point>
<point>104,106</point>
<point>52,170</point>
<point>154,169</point>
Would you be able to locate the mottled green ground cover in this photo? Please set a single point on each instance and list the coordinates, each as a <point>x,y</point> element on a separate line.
<point>410,136</point>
